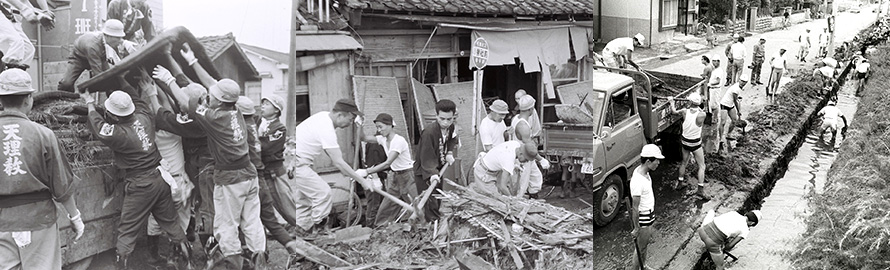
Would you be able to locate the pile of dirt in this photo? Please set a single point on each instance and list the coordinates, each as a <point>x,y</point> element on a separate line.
<point>765,126</point>
<point>66,114</point>
<point>850,226</point>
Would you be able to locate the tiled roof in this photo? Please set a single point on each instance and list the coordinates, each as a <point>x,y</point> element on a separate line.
<point>492,7</point>
<point>216,45</point>
<point>280,57</point>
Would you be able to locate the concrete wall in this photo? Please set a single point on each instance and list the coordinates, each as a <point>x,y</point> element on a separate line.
<point>627,18</point>
<point>273,74</point>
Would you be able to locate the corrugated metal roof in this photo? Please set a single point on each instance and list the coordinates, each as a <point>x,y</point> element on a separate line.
<point>325,42</point>
<point>275,55</point>
<point>492,7</point>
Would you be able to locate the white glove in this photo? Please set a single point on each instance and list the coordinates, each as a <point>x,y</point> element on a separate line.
<point>76,225</point>
<point>377,184</point>
<point>88,97</point>
<point>359,120</point>
<point>449,159</point>
<point>162,74</point>
<point>545,164</point>
<point>434,178</point>
<point>189,56</point>
<point>362,173</point>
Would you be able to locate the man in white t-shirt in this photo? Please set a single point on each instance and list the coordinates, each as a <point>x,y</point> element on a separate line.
<point>805,43</point>
<point>495,170</point>
<point>313,136</point>
<point>492,128</point>
<point>824,38</point>
<point>619,51</point>
<point>826,74</point>
<point>715,84</point>
<point>830,115</point>
<point>400,181</point>
<point>721,234</point>
<point>777,62</point>
<point>730,112</point>
<point>643,197</point>
<point>736,54</point>
<point>862,74</point>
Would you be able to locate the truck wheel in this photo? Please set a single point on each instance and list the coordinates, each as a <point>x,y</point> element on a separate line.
<point>607,199</point>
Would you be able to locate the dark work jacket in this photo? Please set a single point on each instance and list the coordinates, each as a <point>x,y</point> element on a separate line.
<point>273,144</point>
<point>429,160</point>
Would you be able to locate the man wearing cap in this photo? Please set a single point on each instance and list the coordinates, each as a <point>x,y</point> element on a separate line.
<point>830,114</point>
<point>757,63</point>
<point>777,64</point>
<point>492,129</point>
<point>438,141</point>
<point>36,175</point>
<point>173,161</point>
<point>313,136</point>
<point>129,132</point>
<point>267,206</point>
<point>494,171</point>
<point>96,51</point>
<point>730,110</point>
<point>715,85</point>
<point>736,58</point>
<point>235,194</point>
<point>722,233</point>
<point>862,73</point>
<point>135,15</point>
<point>400,182</point>
<point>805,44</point>
<point>273,136</point>
<point>643,202</point>
<point>619,51</point>
<point>691,140</point>
<point>825,74</point>
<point>199,165</point>
<point>531,178</point>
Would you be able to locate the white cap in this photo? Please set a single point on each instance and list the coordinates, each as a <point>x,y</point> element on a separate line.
<point>651,150</point>
<point>640,38</point>
<point>276,101</point>
<point>119,103</point>
<point>714,57</point>
<point>226,90</point>
<point>526,102</point>
<point>15,82</point>
<point>113,28</point>
<point>695,98</point>
<point>245,105</point>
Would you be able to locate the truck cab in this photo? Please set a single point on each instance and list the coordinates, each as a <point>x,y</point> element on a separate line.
<point>616,135</point>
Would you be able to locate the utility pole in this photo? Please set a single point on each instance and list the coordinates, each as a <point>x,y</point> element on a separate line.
<point>290,117</point>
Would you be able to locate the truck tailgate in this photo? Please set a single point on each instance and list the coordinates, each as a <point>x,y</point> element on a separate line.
<point>575,141</point>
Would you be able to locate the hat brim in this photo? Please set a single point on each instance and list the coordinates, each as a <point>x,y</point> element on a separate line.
<point>274,104</point>
<point>119,112</point>
<point>114,34</point>
<point>218,94</point>
<point>500,112</point>
<point>385,123</point>
<point>16,92</point>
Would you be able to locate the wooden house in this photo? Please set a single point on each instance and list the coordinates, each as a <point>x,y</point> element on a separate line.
<point>231,62</point>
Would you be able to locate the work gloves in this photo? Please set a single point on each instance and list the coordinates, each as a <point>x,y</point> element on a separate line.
<point>189,56</point>
<point>362,173</point>
<point>449,159</point>
<point>545,164</point>
<point>163,75</point>
<point>76,225</point>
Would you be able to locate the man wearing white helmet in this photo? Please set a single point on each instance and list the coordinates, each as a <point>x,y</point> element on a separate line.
<point>273,136</point>
<point>721,234</point>
<point>830,114</point>
<point>128,128</point>
<point>715,85</point>
<point>619,51</point>
<point>36,175</point>
<point>643,201</point>
<point>691,140</point>
<point>96,51</point>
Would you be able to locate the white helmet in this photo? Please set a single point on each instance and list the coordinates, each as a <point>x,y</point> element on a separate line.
<point>695,98</point>
<point>652,151</point>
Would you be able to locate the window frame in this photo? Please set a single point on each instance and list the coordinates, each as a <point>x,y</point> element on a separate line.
<point>661,16</point>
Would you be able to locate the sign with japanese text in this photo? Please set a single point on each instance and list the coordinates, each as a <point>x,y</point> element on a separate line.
<point>479,53</point>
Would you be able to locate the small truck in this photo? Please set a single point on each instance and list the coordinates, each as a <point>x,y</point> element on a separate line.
<point>627,112</point>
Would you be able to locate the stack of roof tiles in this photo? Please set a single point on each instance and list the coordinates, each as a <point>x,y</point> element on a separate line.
<point>492,7</point>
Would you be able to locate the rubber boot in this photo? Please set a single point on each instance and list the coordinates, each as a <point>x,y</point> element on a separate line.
<point>701,193</point>
<point>235,262</point>
<point>260,261</point>
<point>153,257</point>
<point>190,230</point>
<point>121,262</point>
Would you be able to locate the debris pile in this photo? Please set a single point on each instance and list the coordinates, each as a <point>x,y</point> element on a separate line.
<point>66,114</point>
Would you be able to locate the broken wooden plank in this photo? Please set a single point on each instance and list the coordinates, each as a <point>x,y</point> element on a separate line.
<point>563,238</point>
<point>560,220</point>
<point>509,244</point>
<point>468,261</point>
<point>318,255</point>
<point>347,235</point>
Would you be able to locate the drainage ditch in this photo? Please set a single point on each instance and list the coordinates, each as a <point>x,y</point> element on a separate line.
<point>779,166</point>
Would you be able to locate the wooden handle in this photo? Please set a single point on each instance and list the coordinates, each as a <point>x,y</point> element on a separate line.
<point>395,200</point>
<point>421,201</point>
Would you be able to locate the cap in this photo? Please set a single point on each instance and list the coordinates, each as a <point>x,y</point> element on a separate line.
<point>15,82</point>
<point>384,118</point>
<point>119,103</point>
<point>276,100</point>
<point>640,38</point>
<point>226,90</point>
<point>651,150</point>
<point>113,28</point>
<point>754,216</point>
<point>832,103</point>
<point>714,57</point>
<point>526,102</point>
<point>194,90</point>
<point>735,35</point>
<point>744,78</point>
<point>520,93</point>
<point>245,105</point>
<point>346,105</point>
<point>695,98</point>
<point>499,106</point>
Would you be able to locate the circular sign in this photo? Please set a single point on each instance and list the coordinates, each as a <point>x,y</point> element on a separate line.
<point>479,53</point>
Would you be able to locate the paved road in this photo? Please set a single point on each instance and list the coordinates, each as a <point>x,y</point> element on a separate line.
<point>676,212</point>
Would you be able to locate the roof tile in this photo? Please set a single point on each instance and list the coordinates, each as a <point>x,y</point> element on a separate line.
<point>495,7</point>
